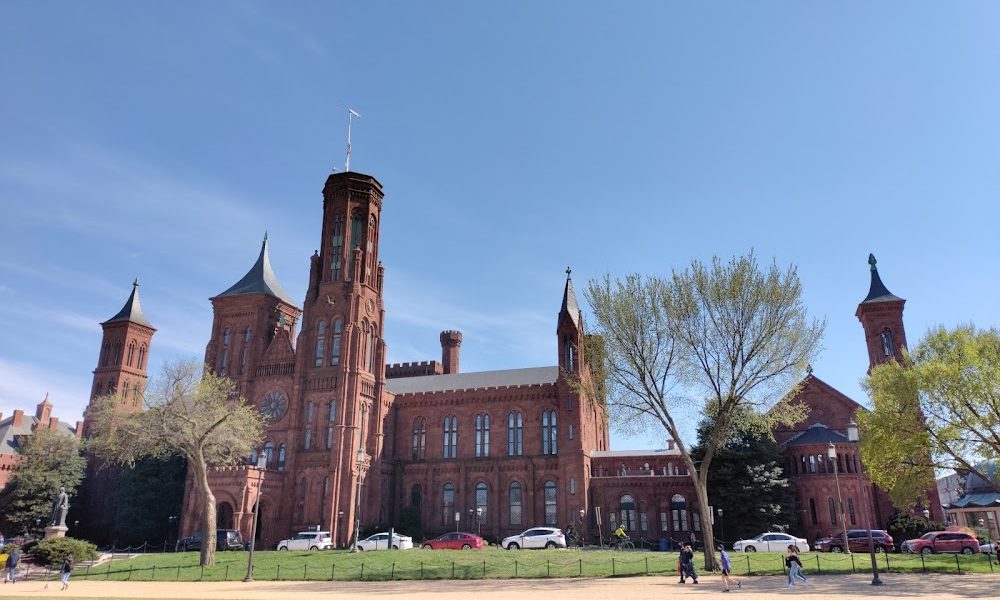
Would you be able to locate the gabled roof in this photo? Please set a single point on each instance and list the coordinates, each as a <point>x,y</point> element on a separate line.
<point>817,433</point>
<point>260,279</point>
<point>877,292</point>
<point>815,382</point>
<point>569,304</point>
<point>9,433</point>
<point>132,311</point>
<point>472,381</point>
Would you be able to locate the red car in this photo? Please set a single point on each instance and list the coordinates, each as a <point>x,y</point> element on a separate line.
<point>943,541</point>
<point>455,541</point>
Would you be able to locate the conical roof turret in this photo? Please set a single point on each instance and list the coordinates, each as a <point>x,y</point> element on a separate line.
<point>878,292</point>
<point>132,311</point>
<point>260,279</point>
<point>569,304</point>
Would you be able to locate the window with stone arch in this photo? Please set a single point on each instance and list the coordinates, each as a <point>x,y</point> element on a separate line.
<point>118,353</point>
<point>370,347</point>
<point>447,503</point>
<point>551,503</point>
<point>664,516</point>
<point>281,457</point>
<point>416,496</point>
<point>337,248</point>
<point>549,432</point>
<point>482,502</point>
<point>450,427</point>
<point>269,453</point>
<point>370,254</point>
<point>106,354</point>
<point>569,360</point>
<point>356,240</point>
<point>678,512</point>
<point>850,511</point>
<point>888,348</point>
<point>142,357</point>
<point>324,494</point>
<point>131,353</point>
<point>515,434</point>
<point>626,505</point>
<point>320,343</point>
<point>833,511</point>
<point>514,502</point>
<point>812,511</point>
<point>337,329</point>
<point>482,435</point>
<point>224,356</point>
<point>302,488</point>
<point>419,445</point>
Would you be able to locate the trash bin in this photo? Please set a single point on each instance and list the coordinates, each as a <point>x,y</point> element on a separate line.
<point>664,544</point>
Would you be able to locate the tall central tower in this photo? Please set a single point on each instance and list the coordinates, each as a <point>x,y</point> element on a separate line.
<point>341,362</point>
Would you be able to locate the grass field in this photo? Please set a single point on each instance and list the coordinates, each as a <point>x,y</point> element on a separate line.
<point>492,564</point>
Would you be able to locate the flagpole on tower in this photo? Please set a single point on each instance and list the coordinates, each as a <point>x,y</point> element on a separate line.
<point>350,116</point>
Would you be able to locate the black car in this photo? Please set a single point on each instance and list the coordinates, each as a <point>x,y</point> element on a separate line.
<point>226,539</point>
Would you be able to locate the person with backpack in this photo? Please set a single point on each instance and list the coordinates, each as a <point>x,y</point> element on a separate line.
<point>13,560</point>
<point>67,568</point>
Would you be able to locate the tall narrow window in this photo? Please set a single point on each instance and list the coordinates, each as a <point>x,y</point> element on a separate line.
<point>224,358</point>
<point>320,343</point>
<point>833,511</point>
<point>307,439</point>
<point>570,349</point>
<point>514,502</point>
<point>812,512</point>
<point>329,437</point>
<point>281,457</point>
<point>482,494</point>
<point>450,436</point>
<point>627,506</point>
<point>331,411</point>
<point>106,355</point>
<point>337,250</point>
<point>482,435</point>
<point>370,348</point>
<point>572,486</point>
<point>515,434</point>
<point>850,510</point>
<point>247,336</point>
<point>142,357</point>
<point>664,519</point>
<point>447,503</point>
<point>118,352</point>
<point>309,412</point>
<point>131,353</point>
<point>269,453</point>
<point>335,347</point>
<point>549,432</point>
<point>370,254</point>
<point>678,511</point>
<point>888,348</point>
<point>551,512</point>
<point>323,495</point>
<point>419,445</point>
<point>357,230</point>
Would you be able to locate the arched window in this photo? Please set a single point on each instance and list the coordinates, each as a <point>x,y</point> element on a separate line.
<point>482,435</point>
<point>269,453</point>
<point>888,348</point>
<point>569,348</point>
<point>247,336</point>
<point>323,496</point>
<point>302,488</point>
<point>331,411</point>
<point>281,457</point>
<point>337,248</point>
<point>569,431</point>
<point>821,461</point>
<point>515,434</point>
<point>416,496</point>
<point>482,494</point>
<point>812,463</point>
<point>678,512</point>
<point>850,511</point>
<point>514,503</point>
<point>118,353</point>
<point>135,394</point>
<point>664,516</point>
<point>329,437</point>
<point>419,447</point>
<point>627,507</point>
<point>370,256</point>
<point>812,512</point>
<point>370,348</point>
<point>307,439</point>
<point>224,357</point>
<point>833,511</point>
<point>450,436</point>
<point>131,356</point>
<point>320,343</point>
<point>572,486</point>
<point>335,348</point>
<point>106,354</point>
<point>356,241</point>
<point>551,512</point>
<point>549,431</point>
<point>309,412</point>
<point>447,503</point>
<point>142,357</point>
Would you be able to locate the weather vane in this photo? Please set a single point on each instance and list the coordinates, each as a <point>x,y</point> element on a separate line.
<point>350,117</point>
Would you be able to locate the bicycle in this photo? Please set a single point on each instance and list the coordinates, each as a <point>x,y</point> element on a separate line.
<point>623,545</point>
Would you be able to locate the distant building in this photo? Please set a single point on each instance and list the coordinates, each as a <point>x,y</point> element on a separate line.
<point>15,428</point>
<point>978,505</point>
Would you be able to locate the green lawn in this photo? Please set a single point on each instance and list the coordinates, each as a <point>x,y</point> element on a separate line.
<point>491,564</point>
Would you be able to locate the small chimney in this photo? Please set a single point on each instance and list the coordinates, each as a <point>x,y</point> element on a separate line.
<point>18,418</point>
<point>54,423</point>
<point>451,341</point>
<point>79,429</point>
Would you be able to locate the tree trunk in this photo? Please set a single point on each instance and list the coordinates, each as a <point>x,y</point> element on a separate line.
<point>208,524</point>
<point>708,533</point>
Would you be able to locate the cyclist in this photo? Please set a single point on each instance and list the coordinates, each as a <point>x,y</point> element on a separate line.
<point>618,537</point>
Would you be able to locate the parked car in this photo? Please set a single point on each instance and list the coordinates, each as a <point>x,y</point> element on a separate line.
<point>226,539</point>
<point>307,540</point>
<point>857,541</point>
<point>943,541</point>
<point>380,541</point>
<point>771,542</point>
<point>536,537</point>
<point>987,547</point>
<point>454,541</point>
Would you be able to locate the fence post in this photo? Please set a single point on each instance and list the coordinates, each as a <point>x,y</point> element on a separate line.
<point>484,569</point>
<point>818,569</point>
<point>647,565</point>
<point>362,571</point>
<point>392,574</point>
<point>87,574</point>
<point>178,573</point>
<point>923,565</point>
<point>278,576</point>
<point>422,570</point>
<point>958,564</point>
<point>154,573</point>
<point>613,566</point>
<point>854,568</point>
<point>748,565</point>
<point>548,568</point>
<point>989,561</point>
<point>202,573</point>
<point>452,569</point>
<point>581,567</point>
<point>515,568</point>
<point>781,559</point>
<point>108,574</point>
<point>226,578</point>
<point>129,573</point>
<point>886,554</point>
<point>305,571</point>
<point>333,570</point>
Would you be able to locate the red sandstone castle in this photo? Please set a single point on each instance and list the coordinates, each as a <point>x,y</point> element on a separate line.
<point>496,450</point>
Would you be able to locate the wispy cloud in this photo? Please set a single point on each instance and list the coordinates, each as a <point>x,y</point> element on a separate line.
<point>23,386</point>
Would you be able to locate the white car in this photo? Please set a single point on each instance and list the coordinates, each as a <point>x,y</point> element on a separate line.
<point>536,537</point>
<point>307,540</point>
<point>988,547</point>
<point>771,542</point>
<point>380,541</point>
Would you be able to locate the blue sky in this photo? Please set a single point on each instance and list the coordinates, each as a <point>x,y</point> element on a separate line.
<point>160,141</point>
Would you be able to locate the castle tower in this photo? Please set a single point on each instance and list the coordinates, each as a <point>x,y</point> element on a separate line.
<point>124,356</point>
<point>881,316</point>
<point>451,342</point>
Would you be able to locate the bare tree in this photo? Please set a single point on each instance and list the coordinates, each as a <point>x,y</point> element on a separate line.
<point>191,413</point>
<point>726,341</point>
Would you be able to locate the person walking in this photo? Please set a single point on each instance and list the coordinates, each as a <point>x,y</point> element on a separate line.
<point>794,568</point>
<point>687,564</point>
<point>67,568</point>
<point>727,568</point>
<point>13,559</point>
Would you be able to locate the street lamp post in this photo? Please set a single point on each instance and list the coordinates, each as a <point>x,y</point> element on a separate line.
<point>458,515</point>
<point>927,514</point>
<point>340,519</point>
<point>853,436</point>
<point>479,521</point>
<point>357,507</point>
<point>261,463</point>
<point>579,529</point>
<point>831,452</point>
<point>722,528</point>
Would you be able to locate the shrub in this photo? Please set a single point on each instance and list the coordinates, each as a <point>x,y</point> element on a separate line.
<point>54,551</point>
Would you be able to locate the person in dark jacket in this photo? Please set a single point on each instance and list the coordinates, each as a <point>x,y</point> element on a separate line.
<point>67,568</point>
<point>687,564</point>
<point>13,559</point>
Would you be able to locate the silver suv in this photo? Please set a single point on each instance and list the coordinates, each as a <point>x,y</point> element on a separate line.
<point>307,540</point>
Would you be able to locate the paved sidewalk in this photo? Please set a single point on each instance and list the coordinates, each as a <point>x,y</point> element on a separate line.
<point>841,587</point>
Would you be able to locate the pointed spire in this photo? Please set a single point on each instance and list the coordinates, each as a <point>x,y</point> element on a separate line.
<point>878,292</point>
<point>569,303</point>
<point>132,311</point>
<point>260,279</point>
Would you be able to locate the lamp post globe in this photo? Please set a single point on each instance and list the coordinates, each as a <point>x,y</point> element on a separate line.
<point>927,514</point>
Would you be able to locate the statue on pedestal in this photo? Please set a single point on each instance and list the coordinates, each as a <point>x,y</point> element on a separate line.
<point>59,509</point>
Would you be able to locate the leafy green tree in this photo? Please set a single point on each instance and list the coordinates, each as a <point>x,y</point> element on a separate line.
<point>904,526</point>
<point>147,496</point>
<point>749,484</point>
<point>938,409</point>
<point>49,460</point>
<point>727,341</point>
<point>190,413</point>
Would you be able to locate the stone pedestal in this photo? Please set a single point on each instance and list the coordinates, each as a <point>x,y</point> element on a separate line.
<point>55,531</point>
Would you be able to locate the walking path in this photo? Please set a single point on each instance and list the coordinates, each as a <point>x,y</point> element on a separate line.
<point>841,587</point>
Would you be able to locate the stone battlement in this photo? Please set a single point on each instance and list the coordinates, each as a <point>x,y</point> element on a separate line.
<point>413,369</point>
